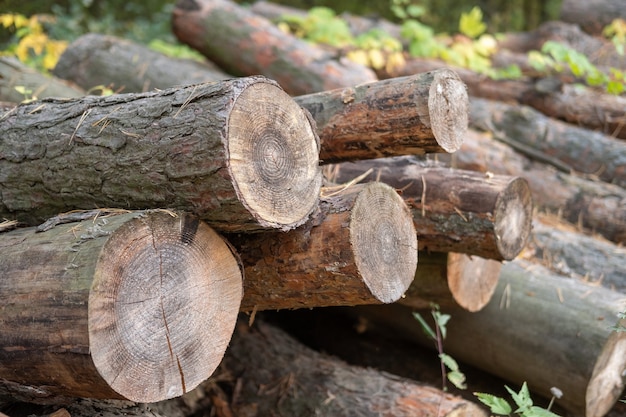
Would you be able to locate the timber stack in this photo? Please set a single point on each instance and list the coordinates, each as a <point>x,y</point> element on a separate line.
<point>146,221</point>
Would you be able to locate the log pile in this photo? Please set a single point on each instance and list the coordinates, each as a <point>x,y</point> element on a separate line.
<point>165,213</point>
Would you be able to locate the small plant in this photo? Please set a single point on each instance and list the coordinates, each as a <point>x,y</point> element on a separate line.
<point>616,31</point>
<point>523,401</point>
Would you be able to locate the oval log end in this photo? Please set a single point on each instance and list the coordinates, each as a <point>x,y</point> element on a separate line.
<point>448,105</point>
<point>513,218</point>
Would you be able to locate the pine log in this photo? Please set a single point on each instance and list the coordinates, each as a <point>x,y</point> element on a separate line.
<point>567,251</point>
<point>243,43</point>
<point>452,280</point>
<point>279,376</point>
<point>238,153</point>
<point>547,330</point>
<point>125,66</point>
<point>423,113</point>
<point>455,210</point>
<point>584,107</point>
<point>15,74</point>
<point>360,248</point>
<point>594,205</point>
<point>139,306</point>
<point>578,149</point>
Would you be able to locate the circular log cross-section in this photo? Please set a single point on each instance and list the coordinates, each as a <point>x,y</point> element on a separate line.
<point>162,307</point>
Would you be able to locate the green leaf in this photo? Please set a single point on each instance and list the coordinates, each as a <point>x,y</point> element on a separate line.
<point>457,379</point>
<point>614,87</point>
<point>535,411</point>
<point>497,405</point>
<point>441,320</point>
<point>522,398</point>
<point>471,24</point>
<point>415,10</point>
<point>425,326</point>
<point>449,362</point>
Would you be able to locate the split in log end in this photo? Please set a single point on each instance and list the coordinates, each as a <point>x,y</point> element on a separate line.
<point>472,280</point>
<point>163,306</point>
<point>608,379</point>
<point>384,241</point>
<point>513,218</point>
<point>274,157</point>
<point>448,105</point>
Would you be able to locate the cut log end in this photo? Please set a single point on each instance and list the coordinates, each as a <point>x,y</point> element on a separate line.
<point>274,157</point>
<point>384,241</point>
<point>448,105</point>
<point>472,280</point>
<point>513,217</point>
<point>608,378</point>
<point>163,306</point>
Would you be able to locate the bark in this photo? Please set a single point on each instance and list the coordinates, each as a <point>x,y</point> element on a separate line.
<point>596,206</point>
<point>125,66</point>
<point>282,377</point>
<point>238,153</point>
<point>243,43</point>
<point>584,107</point>
<point>592,15</point>
<point>423,113</point>
<point>539,328</point>
<point>139,306</point>
<point>566,251</point>
<point>360,248</point>
<point>573,148</point>
<point>15,74</point>
<point>455,210</point>
<point>451,280</point>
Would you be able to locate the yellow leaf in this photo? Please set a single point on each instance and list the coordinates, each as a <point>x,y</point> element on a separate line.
<point>376,58</point>
<point>359,56</point>
<point>6,20</point>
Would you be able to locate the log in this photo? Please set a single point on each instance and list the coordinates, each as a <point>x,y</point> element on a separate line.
<point>577,149</point>
<point>124,66</point>
<point>540,328</point>
<point>279,376</point>
<point>456,210</point>
<point>583,107</point>
<point>596,206</point>
<point>359,248</point>
<point>243,43</point>
<point>15,74</point>
<point>137,306</point>
<point>238,153</point>
<point>452,280</point>
<point>423,113</point>
<point>592,15</point>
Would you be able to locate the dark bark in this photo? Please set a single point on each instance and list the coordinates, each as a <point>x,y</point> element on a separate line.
<point>125,306</point>
<point>226,151</point>
<point>423,113</point>
<point>360,248</point>
<point>243,43</point>
<point>128,67</point>
<point>455,210</point>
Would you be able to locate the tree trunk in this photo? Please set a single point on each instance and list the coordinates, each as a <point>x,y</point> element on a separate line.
<point>282,377</point>
<point>540,328</point>
<point>238,153</point>
<point>595,205</point>
<point>15,74</point>
<point>423,113</point>
<point>454,210</point>
<point>586,107</point>
<point>578,149</point>
<point>360,248</point>
<point>139,306</point>
<point>592,15</point>
<point>128,67</point>
<point>452,279</point>
<point>243,43</point>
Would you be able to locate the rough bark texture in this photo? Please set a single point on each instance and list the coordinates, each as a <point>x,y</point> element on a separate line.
<point>243,43</point>
<point>455,210</point>
<point>238,153</point>
<point>360,248</point>
<point>594,205</point>
<point>592,15</point>
<point>452,279</point>
<point>281,377</point>
<point>556,327</point>
<point>139,306</point>
<point>423,113</point>
<point>128,67</point>
<point>13,74</point>
<point>573,148</point>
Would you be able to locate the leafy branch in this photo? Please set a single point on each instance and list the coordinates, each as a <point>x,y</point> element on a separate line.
<point>523,401</point>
